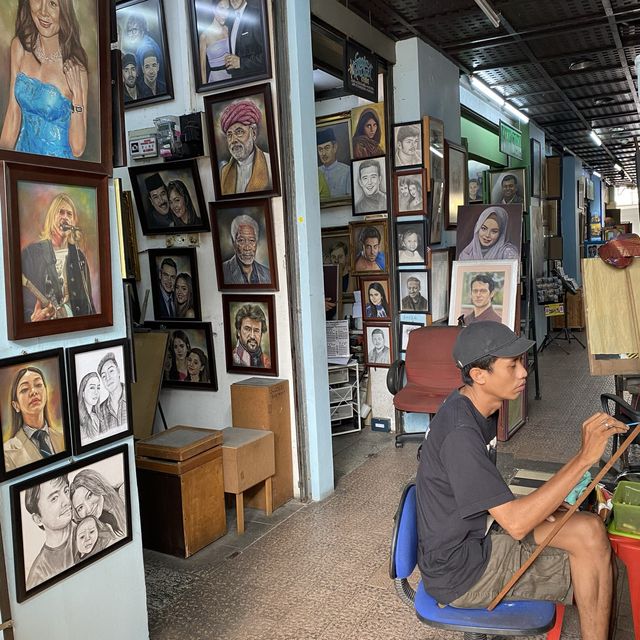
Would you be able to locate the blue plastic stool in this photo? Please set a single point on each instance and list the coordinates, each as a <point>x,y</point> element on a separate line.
<point>518,618</point>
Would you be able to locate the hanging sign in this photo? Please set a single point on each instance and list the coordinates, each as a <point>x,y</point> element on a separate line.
<point>361,71</point>
<point>555,309</point>
<point>510,140</point>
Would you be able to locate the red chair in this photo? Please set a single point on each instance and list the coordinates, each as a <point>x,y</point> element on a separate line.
<point>422,381</point>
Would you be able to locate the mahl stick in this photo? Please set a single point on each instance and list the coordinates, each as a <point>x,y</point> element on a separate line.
<point>574,507</point>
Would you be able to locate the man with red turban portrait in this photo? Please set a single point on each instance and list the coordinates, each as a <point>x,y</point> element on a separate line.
<point>249,168</point>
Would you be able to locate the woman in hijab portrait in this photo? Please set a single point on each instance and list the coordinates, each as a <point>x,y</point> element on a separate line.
<point>366,140</point>
<point>489,240</point>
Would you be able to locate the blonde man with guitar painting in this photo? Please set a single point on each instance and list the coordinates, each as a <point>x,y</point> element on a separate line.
<point>55,274</point>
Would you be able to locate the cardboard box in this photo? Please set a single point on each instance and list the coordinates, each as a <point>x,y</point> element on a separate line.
<point>247,458</point>
<point>575,313</point>
<point>261,403</point>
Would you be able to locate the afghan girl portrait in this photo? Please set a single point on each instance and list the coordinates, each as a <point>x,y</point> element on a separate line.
<point>368,137</point>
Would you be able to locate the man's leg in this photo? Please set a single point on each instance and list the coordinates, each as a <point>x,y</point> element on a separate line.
<point>584,538</point>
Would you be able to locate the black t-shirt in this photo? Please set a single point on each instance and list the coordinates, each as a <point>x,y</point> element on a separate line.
<point>457,483</point>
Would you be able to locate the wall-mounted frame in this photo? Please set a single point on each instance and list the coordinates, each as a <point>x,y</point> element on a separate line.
<point>436,211</point>
<point>551,217</point>
<point>368,131</point>
<point>413,291</point>
<point>439,283</point>
<point>476,172</point>
<point>508,186</point>
<point>142,37</point>
<point>78,136</point>
<point>33,412</point>
<point>224,53</point>
<point>94,528</point>
<point>332,291</point>
<point>411,243</point>
<point>369,245</point>
<point>336,249</point>
<point>243,245</point>
<point>190,361</point>
<point>376,298</point>
<point>433,149</point>
<point>455,184</point>
<point>333,144</point>
<point>48,210</point>
<point>591,249</point>
<point>169,197</point>
<point>175,286</point>
<point>407,145</point>
<point>553,171</point>
<point>410,192</point>
<point>240,122</point>
<point>536,168</point>
<point>405,329</point>
<point>129,261</point>
<point>378,345</point>
<point>369,184</point>
<point>513,413</point>
<point>250,334</point>
<point>99,393</point>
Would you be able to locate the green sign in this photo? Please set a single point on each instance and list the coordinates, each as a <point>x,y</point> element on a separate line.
<point>510,140</point>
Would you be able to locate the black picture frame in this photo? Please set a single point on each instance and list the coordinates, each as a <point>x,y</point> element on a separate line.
<point>186,274</point>
<point>83,366</point>
<point>405,158</point>
<point>190,333</point>
<point>153,39</point>
<point>175,177</point>
<point>406,255</point>
<point>379,204</point>
<point>106,473</point>
<point>257,309</point>
<point>404,301</point>
<point>21,453</point>
<point>253,34</point>
<point>536,168</point>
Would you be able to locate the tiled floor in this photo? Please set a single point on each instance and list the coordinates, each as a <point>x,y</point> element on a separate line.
<point>319,571</point>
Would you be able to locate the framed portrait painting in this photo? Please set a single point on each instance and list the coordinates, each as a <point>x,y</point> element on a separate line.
<point>243,245</point>
<point>336,249</point>
<point>433,149</point>
<point>413,291</point>
<point>58,114</point>
<point>61,504</point>
<point>99,377</point>
<point>439,284</point>
<point>369,188</point>
<point>378,347</point>
<point>410,191</point>
<point>508,186</point>
<point>436,211</point>
<point>475,181</point>
<point>412,243</point>
<point>489,232</point>
<point>368,131</point>
<point>536,168</point>
<point>333,139</point>
<point>240,125</point>
<point>190,360</point>
<point>369,246</point>
<point>33,412</point>
<point>169,197</point>
<point>405,330</point>
<point>229,48</point>
<point>455,162</point>
<point>142,40</point>
<point>407,145</point>
<point>175,287</point>
<point>332,292</point>
<point>484,290</point>
<point>250,334</point>
<point>376,298</point>
<point>57,251</point>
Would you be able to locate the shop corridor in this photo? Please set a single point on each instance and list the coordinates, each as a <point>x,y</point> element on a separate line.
<point>319,571</point>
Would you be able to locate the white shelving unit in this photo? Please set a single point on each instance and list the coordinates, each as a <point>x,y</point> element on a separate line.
<point>344,398</point>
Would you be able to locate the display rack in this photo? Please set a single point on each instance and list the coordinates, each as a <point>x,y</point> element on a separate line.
<point>344,398</point>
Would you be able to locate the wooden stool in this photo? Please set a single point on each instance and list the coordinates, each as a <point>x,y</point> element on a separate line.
<point>248,458</point>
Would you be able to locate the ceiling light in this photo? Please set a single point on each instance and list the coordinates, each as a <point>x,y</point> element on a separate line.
<point>617,129</point>
<point>595,138</point>
<point>483,88</point>
<point>602,100</point>
<point>580,65</point>
<point>490,12</point>
<point>597,174</point>
<point>617,167</point>
<point>518,114</point>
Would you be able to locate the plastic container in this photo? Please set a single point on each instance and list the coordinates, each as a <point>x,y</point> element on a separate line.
<point>626,510</point>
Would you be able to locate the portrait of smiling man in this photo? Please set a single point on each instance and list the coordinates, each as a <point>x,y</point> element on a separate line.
<point>159,213</point>
<point>370,188</point>
<point>242,267</point>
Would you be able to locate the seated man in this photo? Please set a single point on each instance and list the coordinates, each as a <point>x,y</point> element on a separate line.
<point>458,484</point>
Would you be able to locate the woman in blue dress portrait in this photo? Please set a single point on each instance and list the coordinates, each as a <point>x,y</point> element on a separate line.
<point>46,113</point>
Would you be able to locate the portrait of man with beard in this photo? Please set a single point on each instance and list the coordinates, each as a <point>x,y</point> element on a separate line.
<point>251,325</point>
<point>242,267</point>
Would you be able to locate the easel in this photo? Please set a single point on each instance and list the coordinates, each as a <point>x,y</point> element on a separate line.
<point>564,333</point>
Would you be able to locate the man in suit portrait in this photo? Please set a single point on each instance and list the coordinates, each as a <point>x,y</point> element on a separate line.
<point>159,215</point>
<point>510,190</point>
<point>379,353</point>
<point>242,267</point>
<point>247,57</point>
<point>167,275</point>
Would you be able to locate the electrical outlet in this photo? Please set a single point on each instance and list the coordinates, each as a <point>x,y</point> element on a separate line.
<point>186,240</point>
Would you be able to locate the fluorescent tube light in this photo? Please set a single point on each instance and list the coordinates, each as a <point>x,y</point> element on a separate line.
<point>617,167</point>
<point>490,12</point>
<point>597,174</point>
<point>483,88</point>
<point>518,114</point>
<point>595,138</point>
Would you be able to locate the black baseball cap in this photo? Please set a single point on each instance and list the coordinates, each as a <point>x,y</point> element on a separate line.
<point>484,338</point>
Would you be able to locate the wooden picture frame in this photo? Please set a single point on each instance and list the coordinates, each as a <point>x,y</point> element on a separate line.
<point>97,373</point>
<point>184,339</point>
<point>369,247</point>
<point>253,243</point>
<point>376,353</point>
<point>407,145</point>
<point>332,292</point>
<point>130,260</point>
<point>413,291</point>
<point>101,529</point>
<point>536,168</point>
<point>377,287</point>
<point>440,283</point>
<point>250,334</point>
<point>410,192</point>
<point>433,149</point>
<point>256,131</point>
<point>502,298</point>
<point>500,192</point>
<point>553,173</point>
<point>33,387</point>
<point>175,286</point>
<point>513,413</point>
<point>212,29</point>
<point>412,243</point>
<point>37,201</point>
<point>476,180</point>
<point>436,212</point>
<point>455,183</point>
<point>333,146</point>
<point>369,186</point>
<point>368,131</point>
<point>31,139</point>
<point>143,42</point>
<point>336,249</point>
<point>169,197</point>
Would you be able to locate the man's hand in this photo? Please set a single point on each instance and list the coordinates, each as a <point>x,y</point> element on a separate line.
<point>596,431</point>
<point>39,313</point>
<point>231,61</point>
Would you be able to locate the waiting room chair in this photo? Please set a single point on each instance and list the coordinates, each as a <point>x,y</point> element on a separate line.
<point>509,618</point>
<point>422,381</point>
<point>627,413</point>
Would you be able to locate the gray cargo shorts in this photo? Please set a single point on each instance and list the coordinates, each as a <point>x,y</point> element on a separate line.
<point>548,578</point>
